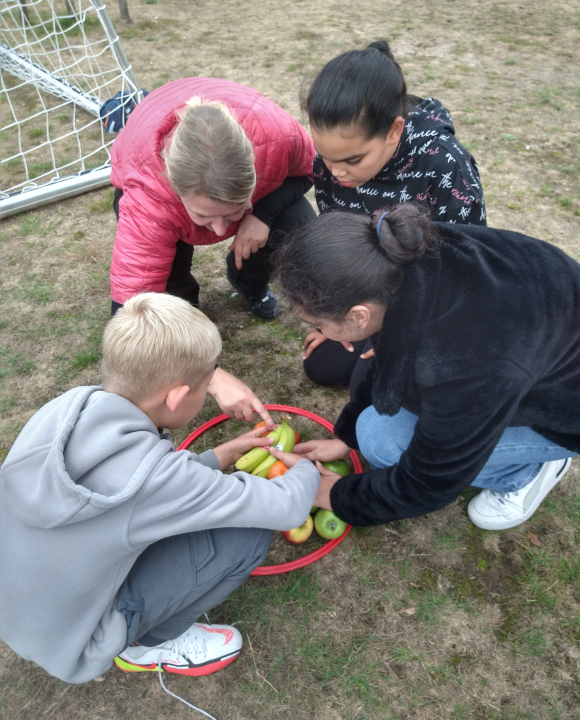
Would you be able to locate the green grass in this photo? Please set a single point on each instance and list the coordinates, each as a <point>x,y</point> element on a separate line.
<point>104,203</point>
<point>550,96</point>
<point>15,364</point>
<point>33,224</point>
<point>37,169</point>
<point>35,291</point>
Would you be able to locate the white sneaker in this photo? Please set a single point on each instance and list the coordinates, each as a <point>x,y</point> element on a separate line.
<point>200,650</point>
<point>493,510</point>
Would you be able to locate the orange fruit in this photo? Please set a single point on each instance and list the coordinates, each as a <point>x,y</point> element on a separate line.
<point>261,424</point>
<point>277,469</point>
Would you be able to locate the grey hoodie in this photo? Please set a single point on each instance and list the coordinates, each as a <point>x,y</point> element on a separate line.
<point>87,486</point>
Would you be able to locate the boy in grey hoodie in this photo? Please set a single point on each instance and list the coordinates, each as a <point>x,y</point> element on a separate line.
<point>112,544</point>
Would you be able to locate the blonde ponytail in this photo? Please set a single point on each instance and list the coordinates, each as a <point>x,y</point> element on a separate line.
<point>210,155</point>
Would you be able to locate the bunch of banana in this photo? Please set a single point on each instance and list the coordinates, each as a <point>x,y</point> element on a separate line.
<point>252,459</point>
<point>259,461</point>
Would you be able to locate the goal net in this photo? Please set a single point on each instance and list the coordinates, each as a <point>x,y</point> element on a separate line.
<point>60,60</point>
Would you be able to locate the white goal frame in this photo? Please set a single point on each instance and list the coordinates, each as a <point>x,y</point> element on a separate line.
<point>36,52</point>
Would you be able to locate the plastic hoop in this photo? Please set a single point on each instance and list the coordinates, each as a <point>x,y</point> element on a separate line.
<point>327,547</point>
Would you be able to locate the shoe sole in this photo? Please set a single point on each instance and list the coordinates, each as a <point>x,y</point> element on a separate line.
<point>507,524</point>
<point>241,292</point>
<point>197,671</point>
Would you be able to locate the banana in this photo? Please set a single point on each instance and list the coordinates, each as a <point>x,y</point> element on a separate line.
<point>263,468</point>
<point>252,459</point>
<point>286,442</point>
<point>287,439</point>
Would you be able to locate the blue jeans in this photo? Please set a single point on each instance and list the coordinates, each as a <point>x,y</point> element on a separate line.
<point>515,462</point>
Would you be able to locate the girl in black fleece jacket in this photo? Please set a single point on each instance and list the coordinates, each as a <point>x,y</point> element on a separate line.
<point>477,373</point>
<point>377,145</point>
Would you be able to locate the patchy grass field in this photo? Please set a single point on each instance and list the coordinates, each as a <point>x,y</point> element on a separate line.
<point>427,619</point>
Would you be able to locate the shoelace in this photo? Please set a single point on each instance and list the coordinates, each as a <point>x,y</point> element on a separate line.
<point>199,710</point>
<point>188,645</point>
<point>159,672</point>
<point>499,496</point>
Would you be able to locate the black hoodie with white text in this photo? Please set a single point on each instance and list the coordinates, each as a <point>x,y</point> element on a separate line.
<point>429,167</point>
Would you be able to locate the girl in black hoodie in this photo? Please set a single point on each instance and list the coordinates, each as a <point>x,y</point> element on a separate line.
<point>377,145</point>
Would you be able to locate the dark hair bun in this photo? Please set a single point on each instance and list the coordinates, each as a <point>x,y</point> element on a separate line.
<point>405,233</point>
<point>383,47</point>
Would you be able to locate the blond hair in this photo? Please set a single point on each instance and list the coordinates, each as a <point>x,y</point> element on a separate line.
<point>210,155</point>
<point>155,341</point>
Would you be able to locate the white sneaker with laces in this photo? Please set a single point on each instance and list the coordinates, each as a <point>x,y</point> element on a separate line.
<point>200,650</point>
<point>493,510</point>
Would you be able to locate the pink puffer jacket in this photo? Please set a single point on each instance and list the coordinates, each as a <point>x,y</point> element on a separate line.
<point>151,217</point>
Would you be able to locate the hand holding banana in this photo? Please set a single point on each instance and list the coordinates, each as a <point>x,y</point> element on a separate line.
<point>259,460</point>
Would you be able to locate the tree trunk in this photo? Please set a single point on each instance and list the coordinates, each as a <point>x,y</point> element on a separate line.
<point>24,11</point>
<point>124,10</point>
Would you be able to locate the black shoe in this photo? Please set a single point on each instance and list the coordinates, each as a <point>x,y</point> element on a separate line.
<point>261,301</point>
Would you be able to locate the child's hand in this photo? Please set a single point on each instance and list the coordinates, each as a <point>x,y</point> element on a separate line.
<point>289,459</point>
<point>312,341</point>
<point>327,481</point>
<point>327,478</point>
<point>323,450</point>
<point>230,452</point>
<point>316,338</point>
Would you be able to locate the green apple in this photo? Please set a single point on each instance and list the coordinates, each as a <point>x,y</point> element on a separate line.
<point>300,534</point>
<point>337,466</point>
<point>328,525</point>
<point>314,509</point>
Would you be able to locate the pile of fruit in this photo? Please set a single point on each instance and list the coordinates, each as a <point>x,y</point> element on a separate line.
<point>325,522</point>
<point>260,462</point>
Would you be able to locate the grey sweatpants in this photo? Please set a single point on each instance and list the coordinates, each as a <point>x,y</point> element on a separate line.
<point>175,580</point>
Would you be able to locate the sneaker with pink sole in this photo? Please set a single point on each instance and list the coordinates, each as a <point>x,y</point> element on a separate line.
<point>200,650</point>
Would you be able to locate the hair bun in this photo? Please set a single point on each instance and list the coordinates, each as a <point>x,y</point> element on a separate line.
<point>405,233</point>
<point>383,47</point>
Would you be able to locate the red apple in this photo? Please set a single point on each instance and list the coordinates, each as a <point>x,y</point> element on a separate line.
<point>298,535</point>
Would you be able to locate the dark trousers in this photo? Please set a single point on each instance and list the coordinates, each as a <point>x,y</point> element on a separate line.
<point>332,364</point>
<point>175,580</point>
<point>255,273</point>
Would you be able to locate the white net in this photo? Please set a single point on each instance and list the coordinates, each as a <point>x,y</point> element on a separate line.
<point>60,60</point>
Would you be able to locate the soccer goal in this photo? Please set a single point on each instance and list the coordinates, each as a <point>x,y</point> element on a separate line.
<point>60,61</point>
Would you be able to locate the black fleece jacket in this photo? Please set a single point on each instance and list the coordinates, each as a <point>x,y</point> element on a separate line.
<point>483,333</point>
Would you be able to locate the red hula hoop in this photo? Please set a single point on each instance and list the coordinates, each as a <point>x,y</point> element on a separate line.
<point>327,547</point>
